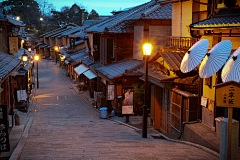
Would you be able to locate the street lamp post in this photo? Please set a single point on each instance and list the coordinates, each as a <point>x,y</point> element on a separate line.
<point>147,49</point>
<point>36,58</point>
<point>56,50</point>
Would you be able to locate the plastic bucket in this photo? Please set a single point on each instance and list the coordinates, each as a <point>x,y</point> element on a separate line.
<point>104,113</point>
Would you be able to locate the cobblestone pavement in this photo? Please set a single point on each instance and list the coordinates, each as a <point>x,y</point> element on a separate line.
<point>66,127</point>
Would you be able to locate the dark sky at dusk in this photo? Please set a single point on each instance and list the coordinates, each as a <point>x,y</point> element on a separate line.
<point>103,7</point>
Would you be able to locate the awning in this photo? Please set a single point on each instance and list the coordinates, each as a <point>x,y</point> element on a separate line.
<point>80,69</point>
<point>89,74</point>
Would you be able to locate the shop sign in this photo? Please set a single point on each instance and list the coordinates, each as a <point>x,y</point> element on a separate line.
<point>13,44</point>
<point>72,44</point>
<point>110,92</point>
<point>4,137</point>
<point>127,103</point>
<point>227,96</point>
<point>21,95</point>
<point>204,101</point>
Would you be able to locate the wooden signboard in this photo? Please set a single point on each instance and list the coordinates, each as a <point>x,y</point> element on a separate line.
<point>4,138</point>
<point>110,92</point>
<point>13,44</point>
<point>226,94</point>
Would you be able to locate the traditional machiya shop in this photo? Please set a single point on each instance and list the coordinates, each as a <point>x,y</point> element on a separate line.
<point>9,64</point>
<point>224,36</point>
<point>172,93</point>
<point>115,85</point>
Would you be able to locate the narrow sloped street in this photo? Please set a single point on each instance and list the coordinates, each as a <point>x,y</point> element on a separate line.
<point>66,127</point>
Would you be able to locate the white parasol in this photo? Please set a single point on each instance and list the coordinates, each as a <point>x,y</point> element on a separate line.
<point>231,70</point>
<point>215,59</point>
<point>194,56</point>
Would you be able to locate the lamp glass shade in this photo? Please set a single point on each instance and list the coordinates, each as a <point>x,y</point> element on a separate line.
<point>22,41</point>
<point>56,48</point>
<point>29,49</point>
<point>147,49</point>
<point>25,58</point>
<point>36,57</point>
<point>41,19</point>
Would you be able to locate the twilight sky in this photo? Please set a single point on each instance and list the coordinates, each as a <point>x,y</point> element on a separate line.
<point>103,7</point>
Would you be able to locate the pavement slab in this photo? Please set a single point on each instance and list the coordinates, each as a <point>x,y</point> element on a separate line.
<point>65,126</point>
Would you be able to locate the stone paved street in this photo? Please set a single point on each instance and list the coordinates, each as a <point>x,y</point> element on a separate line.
<point>66,127</point>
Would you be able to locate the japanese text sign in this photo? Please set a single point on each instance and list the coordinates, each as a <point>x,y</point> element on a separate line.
<point>4,138</point>
<point>227,95</point>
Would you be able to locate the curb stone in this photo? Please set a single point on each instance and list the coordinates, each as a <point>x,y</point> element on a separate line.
<point>17,151</point>
<point>173,140</point>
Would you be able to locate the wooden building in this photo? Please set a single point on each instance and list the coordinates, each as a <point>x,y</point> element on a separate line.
<point>117,44</point>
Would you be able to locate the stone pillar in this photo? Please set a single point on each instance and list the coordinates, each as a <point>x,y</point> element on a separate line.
<point>224,139</point>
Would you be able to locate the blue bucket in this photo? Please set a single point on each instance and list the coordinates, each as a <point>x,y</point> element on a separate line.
<point>104,113</point>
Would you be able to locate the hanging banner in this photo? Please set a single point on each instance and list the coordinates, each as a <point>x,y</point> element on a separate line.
<point>127,104</point>
<point>4,137</point>
<point>13,45</point>
<point>110,92</point>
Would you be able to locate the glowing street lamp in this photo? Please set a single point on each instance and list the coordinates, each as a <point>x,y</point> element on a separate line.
<point>41,19</point>
<point>147,50</point>
<point>18,18</point>
<point>29,50</point>
<point>37,58</point>
<point>56,50</point>
<point>22,43</point>
<point>24,57</point>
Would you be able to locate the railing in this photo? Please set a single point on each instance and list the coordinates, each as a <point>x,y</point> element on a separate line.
<point>180,42</point>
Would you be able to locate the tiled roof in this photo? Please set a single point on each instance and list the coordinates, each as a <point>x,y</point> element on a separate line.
<point>79,56</point>
<point>156,76</point>
<point>73,30</point>
<point>115,23</point>
<point>46,45</point>
<point>50,32</point>
<point>87,61</point>
<point>7,64</point>
<point>216,22</point>
<point>117,69</point>
<point>155,12</point>
<point>15,22</point>
<point>76,43</point>
<point>96,65</point>
<point>173,59</point>
<point>53,35</point>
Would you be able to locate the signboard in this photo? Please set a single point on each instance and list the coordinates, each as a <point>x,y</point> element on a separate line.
<point>13,44</point>
<point>41,39</point>
<point>227,96</point>
<point>72,44</point>
<point>127,103</point>
<point>110,92</point>
<point>4,138</point>
<point>21,95</point>
<point>204,101</point>
<point>127,109</point>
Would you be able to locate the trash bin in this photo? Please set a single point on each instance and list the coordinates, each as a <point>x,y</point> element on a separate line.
<point>104,113</point>
<point>218,120</point>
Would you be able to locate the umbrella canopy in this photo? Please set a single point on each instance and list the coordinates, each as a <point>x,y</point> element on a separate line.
<point>231,70</point>
<point>215,59</point>
<point>194,56</point>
